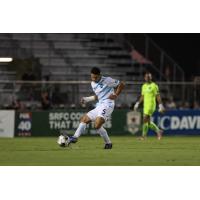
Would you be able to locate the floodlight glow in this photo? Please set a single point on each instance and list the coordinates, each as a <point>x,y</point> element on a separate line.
<point>6,59</point>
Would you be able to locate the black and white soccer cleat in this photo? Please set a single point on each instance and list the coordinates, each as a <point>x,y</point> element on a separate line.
<point>71,139</point>
<point>108,146</point>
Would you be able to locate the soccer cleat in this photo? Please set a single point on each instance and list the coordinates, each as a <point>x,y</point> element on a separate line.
<point>71,139</point>
<point>108,146</point>
<point>142,138</point>
<point>159,134</point>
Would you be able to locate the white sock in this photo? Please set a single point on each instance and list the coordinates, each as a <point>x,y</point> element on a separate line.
<point>103,133</point>
<point>80,129</point>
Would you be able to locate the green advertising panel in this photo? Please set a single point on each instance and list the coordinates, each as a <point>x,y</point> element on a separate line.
<point>52,123</point>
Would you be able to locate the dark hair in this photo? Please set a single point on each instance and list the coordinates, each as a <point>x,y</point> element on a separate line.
<point>147,72</point>
<point>95,70</point>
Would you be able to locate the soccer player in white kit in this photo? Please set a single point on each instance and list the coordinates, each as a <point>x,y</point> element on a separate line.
<point>106,91</point>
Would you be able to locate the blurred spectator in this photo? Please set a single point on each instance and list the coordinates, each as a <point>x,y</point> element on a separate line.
<point>57,96</point>
<point>184,105</point>
<point>118,106</point>
<point>45,100</point>
<point>29,76</point>
<point>168,73</point>
<point>73,106</point>
<point>187,105</point>
<point>196,105</point>
<point>17,104</point>
<point>170,104</point>
<point>45,79</point>
<point>27,88</point>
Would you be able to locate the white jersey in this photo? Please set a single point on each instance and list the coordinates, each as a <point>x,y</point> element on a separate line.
<point>104,88</point>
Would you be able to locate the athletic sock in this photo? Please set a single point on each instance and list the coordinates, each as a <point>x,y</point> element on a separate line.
<point>80,129</point>
<point>103,133</point>
<point>145,128</point>
<point>153,127</point>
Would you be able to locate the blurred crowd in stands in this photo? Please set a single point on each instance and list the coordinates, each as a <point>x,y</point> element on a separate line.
<point>45,97</point>
<point>48,102</point>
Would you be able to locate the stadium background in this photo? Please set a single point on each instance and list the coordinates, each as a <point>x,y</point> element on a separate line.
<point>50,72</point>
<point>46,75</point>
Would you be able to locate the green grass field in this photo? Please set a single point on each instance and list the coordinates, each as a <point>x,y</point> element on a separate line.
<point>127,151</point>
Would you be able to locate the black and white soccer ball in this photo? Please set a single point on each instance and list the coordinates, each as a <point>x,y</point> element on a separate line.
<point>62,141</point>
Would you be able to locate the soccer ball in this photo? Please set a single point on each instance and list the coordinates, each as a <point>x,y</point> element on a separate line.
<point>62,141</point>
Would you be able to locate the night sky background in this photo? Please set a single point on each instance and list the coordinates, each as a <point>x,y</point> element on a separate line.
<point>183,48</point>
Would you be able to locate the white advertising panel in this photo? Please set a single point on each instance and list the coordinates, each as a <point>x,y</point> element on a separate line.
<point>7,123</point>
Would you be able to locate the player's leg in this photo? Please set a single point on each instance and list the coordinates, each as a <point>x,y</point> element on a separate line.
<point>104,112</point>
<point>152,125</point>
<point>145,126</point>
<point>80,130</point>
<point>82,126</point>
<point>99,121</point>
<point>147,112</point>
<point>102,132</point>
<point>155,128</point>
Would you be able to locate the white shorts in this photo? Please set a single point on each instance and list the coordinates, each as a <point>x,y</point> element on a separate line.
<point>102,110</point>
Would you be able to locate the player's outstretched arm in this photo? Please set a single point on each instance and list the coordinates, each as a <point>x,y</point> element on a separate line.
<point>88,99</point>
<point>118,90</point>
<point>160,105</point>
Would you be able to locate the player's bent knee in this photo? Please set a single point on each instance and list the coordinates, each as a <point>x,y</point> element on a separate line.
<point>146,119</point>
<point>97,126</point>
<point>85,119</point>
<point>99,122</point>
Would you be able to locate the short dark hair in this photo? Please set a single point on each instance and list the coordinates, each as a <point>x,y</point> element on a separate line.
<point>147,72</point>
<point>96,71</point>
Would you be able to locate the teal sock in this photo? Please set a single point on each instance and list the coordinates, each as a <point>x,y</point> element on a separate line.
<point>153,127</point>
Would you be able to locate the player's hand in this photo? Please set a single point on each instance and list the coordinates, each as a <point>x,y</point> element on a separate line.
<point>136,106</point>
<point>112,96</point>
<point>161,108</point>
